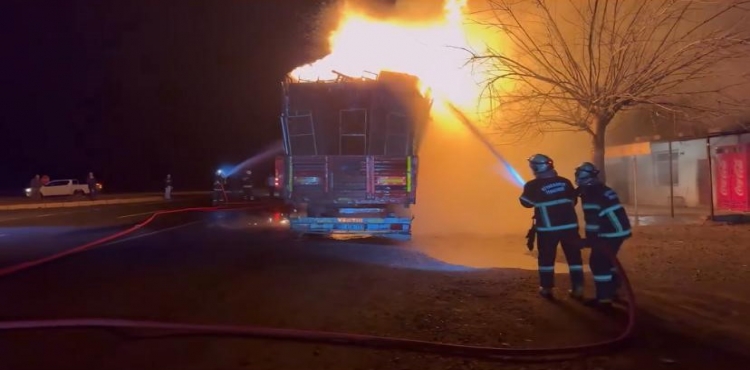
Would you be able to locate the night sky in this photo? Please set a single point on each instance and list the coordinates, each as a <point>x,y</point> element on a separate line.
<point>133,90</point>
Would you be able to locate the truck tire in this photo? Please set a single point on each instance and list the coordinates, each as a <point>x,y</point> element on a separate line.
<point>78,193</point>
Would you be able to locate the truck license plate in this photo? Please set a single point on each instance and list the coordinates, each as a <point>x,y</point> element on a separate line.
<point>357,220</point>
<point>352,227</point>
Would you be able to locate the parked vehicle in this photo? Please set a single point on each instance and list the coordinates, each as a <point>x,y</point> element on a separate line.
<point>59,188</point>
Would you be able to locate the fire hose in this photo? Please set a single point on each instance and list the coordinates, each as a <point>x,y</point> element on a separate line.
<point>168,329</point>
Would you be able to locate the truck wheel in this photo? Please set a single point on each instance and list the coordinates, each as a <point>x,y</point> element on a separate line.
<point>78,193</point>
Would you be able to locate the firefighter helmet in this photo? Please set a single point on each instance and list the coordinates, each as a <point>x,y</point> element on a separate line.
<point>586,173</point>
<point>541,163</point>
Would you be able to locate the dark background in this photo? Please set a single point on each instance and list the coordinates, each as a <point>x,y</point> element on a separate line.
<point>133,90</point>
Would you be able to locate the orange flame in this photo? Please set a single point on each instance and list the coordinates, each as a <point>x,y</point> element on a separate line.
<point>436,51</point>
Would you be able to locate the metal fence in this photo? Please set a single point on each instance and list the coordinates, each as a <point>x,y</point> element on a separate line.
<point>688,180</point>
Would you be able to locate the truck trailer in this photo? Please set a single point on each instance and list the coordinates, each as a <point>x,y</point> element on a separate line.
<point>350,153</point>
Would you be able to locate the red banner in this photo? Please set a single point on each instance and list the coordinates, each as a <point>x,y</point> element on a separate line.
<point>724,180</point>
<point>732,187</point>
<point>739,184</point>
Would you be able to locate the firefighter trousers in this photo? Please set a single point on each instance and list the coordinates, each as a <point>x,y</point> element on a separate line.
<point>547,247</point>
<point>606,279</point>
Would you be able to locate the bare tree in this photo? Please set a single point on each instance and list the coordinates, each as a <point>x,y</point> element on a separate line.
<point>576,68</point>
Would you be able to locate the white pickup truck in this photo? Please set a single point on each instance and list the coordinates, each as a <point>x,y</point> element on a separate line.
<point>57,188</point>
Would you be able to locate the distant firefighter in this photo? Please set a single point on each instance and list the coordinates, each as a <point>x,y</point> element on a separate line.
<point>219,187</point>
<point>35,185</point>
<point>168,187</point>
<point>247,186</point>
<point>91,182</point>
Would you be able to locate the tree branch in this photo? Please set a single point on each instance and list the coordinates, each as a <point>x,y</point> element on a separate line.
<point>635,52</point>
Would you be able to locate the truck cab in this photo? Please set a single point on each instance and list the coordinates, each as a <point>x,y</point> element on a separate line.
<point>350,163</point>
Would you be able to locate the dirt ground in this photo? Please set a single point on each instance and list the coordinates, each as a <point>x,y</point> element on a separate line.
<point>690,281</point>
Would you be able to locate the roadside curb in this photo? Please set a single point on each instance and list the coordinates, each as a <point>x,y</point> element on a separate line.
<point>88,203</point>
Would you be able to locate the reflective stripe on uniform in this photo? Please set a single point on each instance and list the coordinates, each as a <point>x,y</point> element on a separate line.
<point>619,229</point>
<point>615,222</point>
<point>547,224</point>
<point>610,209</point>
<point>553,202</point>
<point>602,278</point>
<point>545,216</point>
<point>591,206</point>
<point>617,234</point>
<point>527,200</point>
<point>592,227</point>
<point>576,267</point>
<point>557,228</point>
<point>546,268</point>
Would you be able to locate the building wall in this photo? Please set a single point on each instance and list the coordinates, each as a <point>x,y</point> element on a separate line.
<point>651,185</point>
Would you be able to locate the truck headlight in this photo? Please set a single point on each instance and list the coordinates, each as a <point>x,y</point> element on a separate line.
<point>27,191</point>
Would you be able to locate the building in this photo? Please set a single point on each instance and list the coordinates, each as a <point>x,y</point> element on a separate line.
<point>641,169</point>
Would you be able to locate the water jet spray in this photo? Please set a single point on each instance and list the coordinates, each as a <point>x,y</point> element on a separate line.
<point>516,178</point>
<point>270,151</point>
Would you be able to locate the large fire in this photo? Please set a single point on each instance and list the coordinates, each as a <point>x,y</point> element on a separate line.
<point>461,190</point>
<point>436,51</point>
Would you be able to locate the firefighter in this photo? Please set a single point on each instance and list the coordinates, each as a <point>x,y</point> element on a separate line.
<point>607,227</point>
<point>91,182</point>
<point>555,222</point>
<point>247,186</point>
<point>219,184</point>
<point>35,185</point>
<point>168,187</point>
<point>271,184</point>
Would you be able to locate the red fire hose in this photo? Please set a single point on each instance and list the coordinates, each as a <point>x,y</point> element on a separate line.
<point>343,339</point>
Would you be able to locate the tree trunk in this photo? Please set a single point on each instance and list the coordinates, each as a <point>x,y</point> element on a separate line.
<point>598,141</point>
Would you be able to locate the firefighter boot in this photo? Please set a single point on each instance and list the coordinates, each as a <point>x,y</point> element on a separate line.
<point>576,282</point>
<point>576,293</point>
<point>546,293</point>
<point>600,304</point>
<point>604,295</point>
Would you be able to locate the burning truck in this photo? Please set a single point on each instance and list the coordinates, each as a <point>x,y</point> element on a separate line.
<point>350,153</point>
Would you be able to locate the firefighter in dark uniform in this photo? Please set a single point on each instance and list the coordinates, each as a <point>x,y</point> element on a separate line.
<point>219,187</point>
<point>607,227</point>
<point>247,186</point>
<point>555,222</point>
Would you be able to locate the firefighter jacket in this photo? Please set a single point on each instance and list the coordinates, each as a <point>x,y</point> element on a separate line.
<point>604,215</point>
<point>553,199</point>
<point>219,183</point>
<point>247,182</point>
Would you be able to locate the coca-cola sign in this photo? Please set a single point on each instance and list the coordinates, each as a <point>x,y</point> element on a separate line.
<point>723,176</point>
<point>739,177</point>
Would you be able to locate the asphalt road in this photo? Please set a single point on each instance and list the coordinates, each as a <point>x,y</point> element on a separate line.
<point>240,267</point>
<point>30,234</point>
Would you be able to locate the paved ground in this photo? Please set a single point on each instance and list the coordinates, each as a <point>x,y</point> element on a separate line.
<point>28,234</point>
<point>236,267</point>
